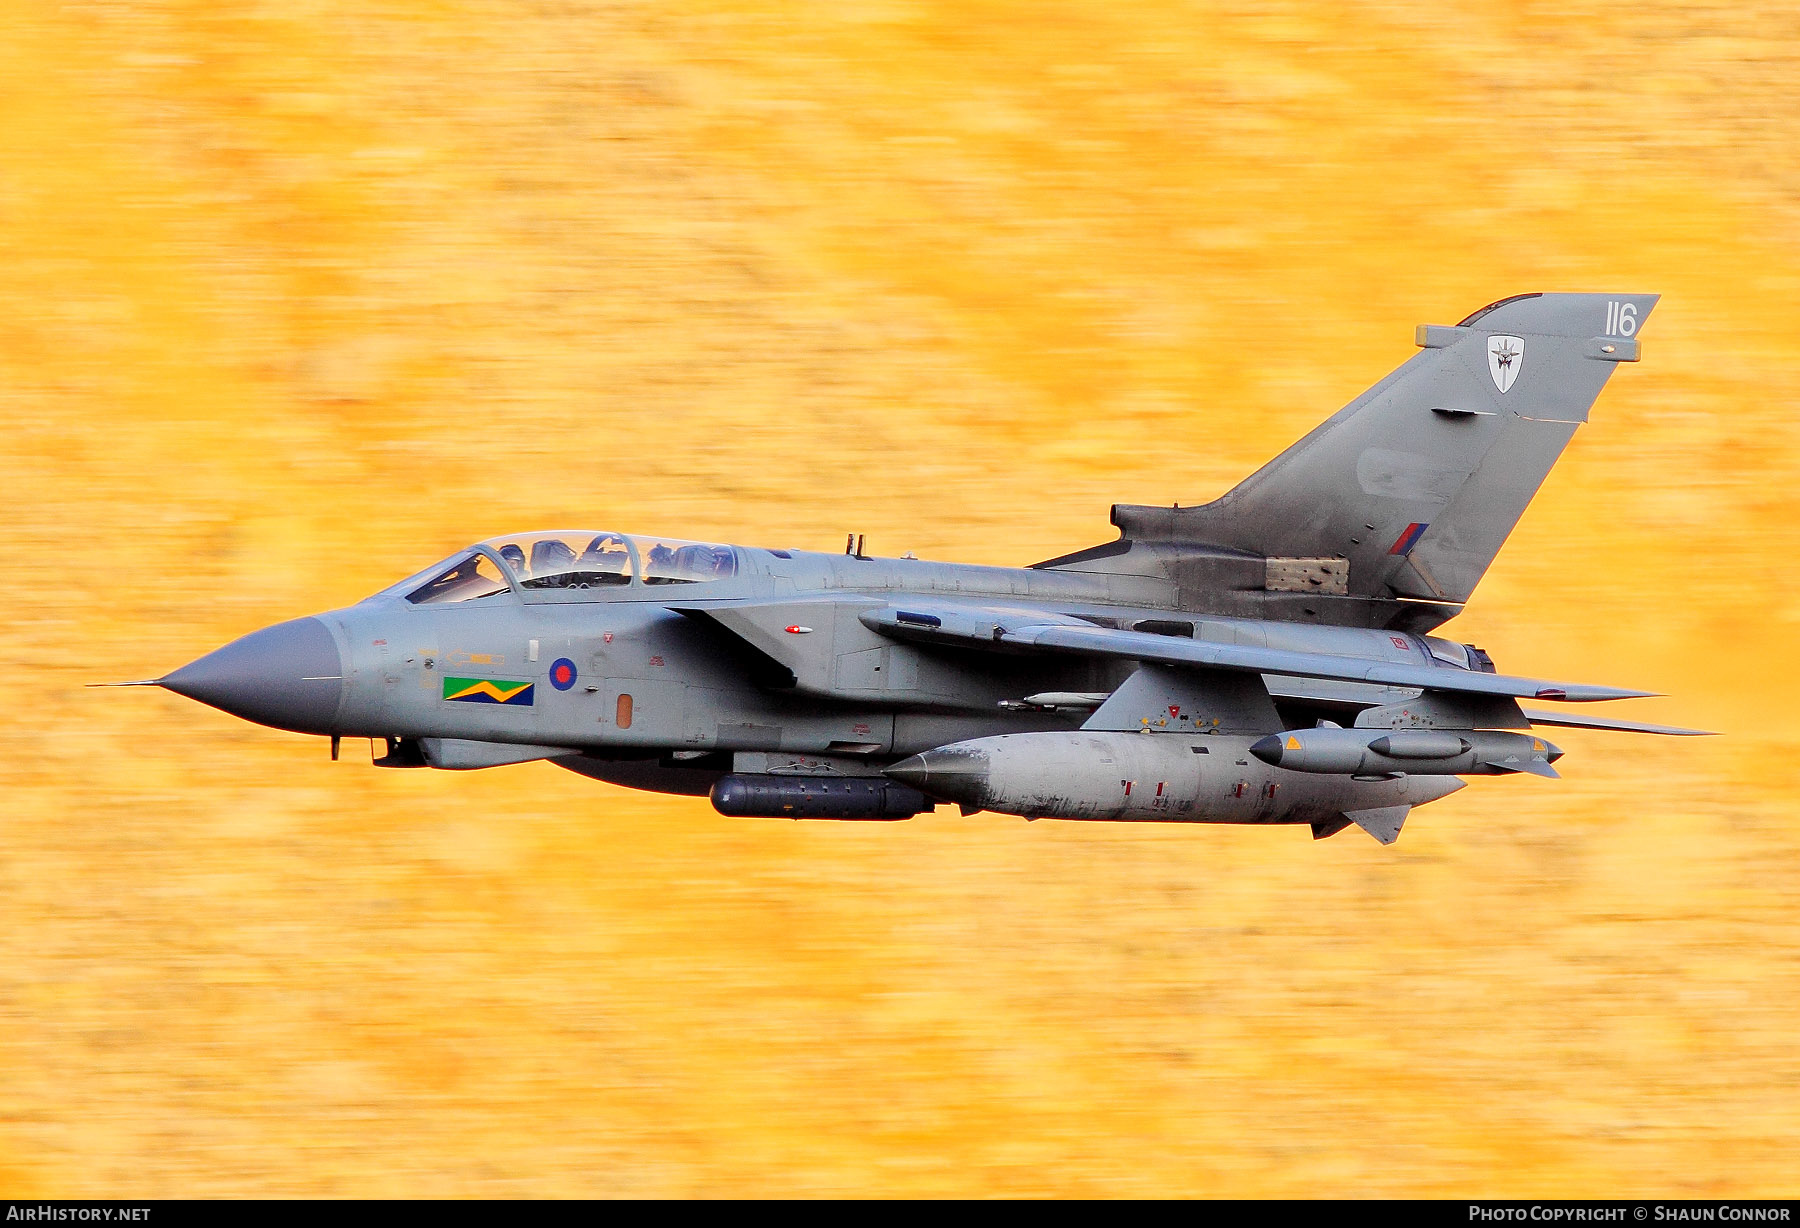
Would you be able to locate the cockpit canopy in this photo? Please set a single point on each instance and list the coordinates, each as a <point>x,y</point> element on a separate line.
<point>567,562</point>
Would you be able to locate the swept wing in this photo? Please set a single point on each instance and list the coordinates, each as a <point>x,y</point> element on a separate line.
<point>1007,631</point>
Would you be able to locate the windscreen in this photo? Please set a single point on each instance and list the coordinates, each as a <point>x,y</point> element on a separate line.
<point>470,578</point>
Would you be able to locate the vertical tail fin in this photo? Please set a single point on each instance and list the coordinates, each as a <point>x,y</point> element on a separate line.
<point>1419,481</point>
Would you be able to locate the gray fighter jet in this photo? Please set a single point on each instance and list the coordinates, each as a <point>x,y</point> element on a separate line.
<point>1263,658</point>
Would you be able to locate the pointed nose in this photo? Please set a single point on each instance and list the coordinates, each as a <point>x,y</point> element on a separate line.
<point>289,676</point>
<point>953,775</point>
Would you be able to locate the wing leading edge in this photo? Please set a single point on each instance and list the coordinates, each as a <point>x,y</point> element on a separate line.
<point>1007,631</point>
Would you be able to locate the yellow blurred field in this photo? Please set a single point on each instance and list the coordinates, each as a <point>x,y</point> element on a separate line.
<point>297,297</point>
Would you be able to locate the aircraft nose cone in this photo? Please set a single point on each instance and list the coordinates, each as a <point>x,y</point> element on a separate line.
<point>952,775</point>
<point>288,676</point>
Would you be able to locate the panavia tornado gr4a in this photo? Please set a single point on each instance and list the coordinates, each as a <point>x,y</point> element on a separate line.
<point>1264,658</point>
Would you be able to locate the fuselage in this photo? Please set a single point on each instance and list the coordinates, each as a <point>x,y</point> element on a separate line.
<point>1262,657</point>
<point>668,664</point>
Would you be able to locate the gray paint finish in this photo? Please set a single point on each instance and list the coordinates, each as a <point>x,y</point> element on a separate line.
<point>1300,599</point>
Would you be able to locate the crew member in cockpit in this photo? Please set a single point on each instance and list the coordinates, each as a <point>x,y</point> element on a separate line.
<point>661,563</point>
<point>723,561</point>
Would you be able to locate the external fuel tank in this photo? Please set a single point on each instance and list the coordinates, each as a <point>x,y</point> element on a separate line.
<point>1147,777</point>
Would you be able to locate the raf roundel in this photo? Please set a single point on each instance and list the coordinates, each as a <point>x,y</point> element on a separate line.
<point>562,673</point>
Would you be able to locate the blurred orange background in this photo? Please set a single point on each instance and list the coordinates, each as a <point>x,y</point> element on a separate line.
<point>299,296</point>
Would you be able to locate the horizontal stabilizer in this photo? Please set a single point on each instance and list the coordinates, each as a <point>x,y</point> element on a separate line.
<point>1383,823</point>
<point>1571,721</point>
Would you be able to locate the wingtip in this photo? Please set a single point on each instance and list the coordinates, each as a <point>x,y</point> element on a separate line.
<point>1590,694</point>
